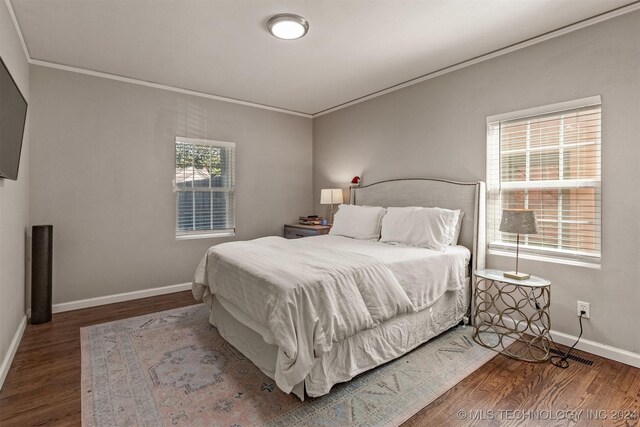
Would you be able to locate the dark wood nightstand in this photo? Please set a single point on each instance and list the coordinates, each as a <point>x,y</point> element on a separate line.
<point>295,231</point>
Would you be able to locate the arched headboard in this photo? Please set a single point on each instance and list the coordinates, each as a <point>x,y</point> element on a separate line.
<point>469,197</point>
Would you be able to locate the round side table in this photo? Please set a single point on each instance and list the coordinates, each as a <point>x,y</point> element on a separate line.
<point>508,310</point>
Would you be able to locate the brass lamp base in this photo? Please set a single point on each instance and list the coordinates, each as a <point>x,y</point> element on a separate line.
<point>517,276</point>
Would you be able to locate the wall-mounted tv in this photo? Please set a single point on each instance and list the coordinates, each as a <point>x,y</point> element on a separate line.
<point>13,113</point>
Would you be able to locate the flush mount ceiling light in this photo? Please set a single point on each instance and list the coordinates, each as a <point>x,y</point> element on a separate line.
<point>288,26</point>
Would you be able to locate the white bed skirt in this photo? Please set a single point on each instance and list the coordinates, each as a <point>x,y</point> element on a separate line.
<point>356,354</point>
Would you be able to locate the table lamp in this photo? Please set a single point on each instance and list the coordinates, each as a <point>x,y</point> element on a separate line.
<point>329,196</point>
<point>519,221</point>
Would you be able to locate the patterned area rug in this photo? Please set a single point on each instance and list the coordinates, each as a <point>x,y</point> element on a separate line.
<point>172,368</point>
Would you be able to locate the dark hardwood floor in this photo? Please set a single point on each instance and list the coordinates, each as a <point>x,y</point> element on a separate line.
<point>507,392</point>
<point>43,385</point>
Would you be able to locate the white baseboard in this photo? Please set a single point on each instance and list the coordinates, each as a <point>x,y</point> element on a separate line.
<point>593,347</point>
<point>84,303</point>
<point>8,358</point>
<point>603,350</point>
<point>127,296</point>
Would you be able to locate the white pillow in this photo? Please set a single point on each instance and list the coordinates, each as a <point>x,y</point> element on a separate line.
<point>432,228</point>
<point>358,222</point>
<point>456,234</point>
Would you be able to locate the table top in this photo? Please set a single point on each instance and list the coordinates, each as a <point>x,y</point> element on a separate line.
<point>533,281</point>
<point>309,227</point>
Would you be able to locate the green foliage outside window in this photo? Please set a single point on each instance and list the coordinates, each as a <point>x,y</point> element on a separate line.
<point>199,157</point>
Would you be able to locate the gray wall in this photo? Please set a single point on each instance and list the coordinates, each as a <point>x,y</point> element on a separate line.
<point>14,202</point>
<point>437,129</point>
<point>102,158</point>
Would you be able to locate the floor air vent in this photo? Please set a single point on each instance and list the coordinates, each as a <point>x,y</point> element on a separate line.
<point>572,357</point>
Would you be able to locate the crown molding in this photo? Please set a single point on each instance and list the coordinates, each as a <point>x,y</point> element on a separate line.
<point>139,82</point>
<point>631,7</point>
<point>494,54</point>
<point>18,30</point>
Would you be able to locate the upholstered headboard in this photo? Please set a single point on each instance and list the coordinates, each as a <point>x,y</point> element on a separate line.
<point>466,196</point>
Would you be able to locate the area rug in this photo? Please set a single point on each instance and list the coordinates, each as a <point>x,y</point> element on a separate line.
<point>172,368</point>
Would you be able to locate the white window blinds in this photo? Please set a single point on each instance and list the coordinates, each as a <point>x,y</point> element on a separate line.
<point>548,159</point>
<point>204,187</point>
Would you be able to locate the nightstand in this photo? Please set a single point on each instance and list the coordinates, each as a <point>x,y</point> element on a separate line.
<point>507,310</point>
<point>295,231</point>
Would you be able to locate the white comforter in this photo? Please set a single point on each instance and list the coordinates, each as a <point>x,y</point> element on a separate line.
<point>424,274</point>
<point>310,294</point>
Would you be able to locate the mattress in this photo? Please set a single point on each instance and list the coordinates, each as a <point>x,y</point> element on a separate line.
<point>419,271</point>
<point>435,282</point>
<point>354,355</point>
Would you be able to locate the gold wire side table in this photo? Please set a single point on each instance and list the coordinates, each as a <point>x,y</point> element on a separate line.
<point>507,310</point>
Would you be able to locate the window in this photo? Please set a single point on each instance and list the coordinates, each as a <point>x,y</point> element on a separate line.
<point>204,187</point>
<point>548,159</point>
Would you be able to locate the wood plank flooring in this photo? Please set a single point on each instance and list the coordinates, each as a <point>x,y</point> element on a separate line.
<point>43,385</point>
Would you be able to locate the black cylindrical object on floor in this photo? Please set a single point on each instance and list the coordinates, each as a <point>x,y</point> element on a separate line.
<point>41,273</point>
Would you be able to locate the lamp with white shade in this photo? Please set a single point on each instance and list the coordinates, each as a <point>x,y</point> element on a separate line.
<point>519,221</point>
<point>331,196</point>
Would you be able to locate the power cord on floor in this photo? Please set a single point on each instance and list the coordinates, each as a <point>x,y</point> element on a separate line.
<point>561,361</point>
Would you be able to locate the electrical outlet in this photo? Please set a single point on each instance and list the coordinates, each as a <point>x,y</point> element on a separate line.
<point>583,306</point>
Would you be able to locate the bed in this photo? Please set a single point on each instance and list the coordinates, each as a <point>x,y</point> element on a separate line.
<point>314,312</point>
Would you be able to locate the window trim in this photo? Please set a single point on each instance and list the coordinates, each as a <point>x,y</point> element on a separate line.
<point>210,142</point>
<point>211,233</point>
<point>510,253</point>
<point>229,232</point>
<point>543,254</point>
<point>546,109</point>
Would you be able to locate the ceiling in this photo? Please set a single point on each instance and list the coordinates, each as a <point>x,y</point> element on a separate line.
<point>222,47</point>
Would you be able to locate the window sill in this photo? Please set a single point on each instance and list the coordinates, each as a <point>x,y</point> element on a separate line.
<point>204,236</point>
<point>542,258</point>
